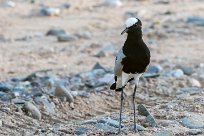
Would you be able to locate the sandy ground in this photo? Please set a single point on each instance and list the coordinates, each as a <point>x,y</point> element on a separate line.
<point>173,40</point>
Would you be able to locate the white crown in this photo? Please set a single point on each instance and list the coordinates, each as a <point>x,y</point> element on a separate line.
<point>130,22</point>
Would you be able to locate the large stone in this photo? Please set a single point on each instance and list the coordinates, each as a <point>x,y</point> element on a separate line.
<point>154,69</point>
<point>142,110</point>
<point>196,20</point>
<point>186,69</point>
<point>61,91</point>
<point>193,122</point>
<point>35,112</point>
<point>151,120</point>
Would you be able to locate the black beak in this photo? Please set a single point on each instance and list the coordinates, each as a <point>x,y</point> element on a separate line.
<point>124,31</point>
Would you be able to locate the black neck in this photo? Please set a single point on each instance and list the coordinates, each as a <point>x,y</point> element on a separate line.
<point>135,35</point>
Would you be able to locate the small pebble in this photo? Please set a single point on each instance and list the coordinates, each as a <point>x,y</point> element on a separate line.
<point>66,38</point>
<point>113,3</point>
<point>56,32</point>
<point>195,83</point>
<point>176,73</point>
<point>84,35</point>
<point>49,11</point>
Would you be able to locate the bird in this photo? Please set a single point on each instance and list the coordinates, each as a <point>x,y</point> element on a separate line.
<point>131,62</point>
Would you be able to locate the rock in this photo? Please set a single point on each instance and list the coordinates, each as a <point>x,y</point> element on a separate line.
<point>106,79</point>
<point>1,123</point>
<point>2,38</point>
<point>139,128</point>
<point>65,6</point>
<point>193,122</point>
<point>61,91</point>
<point>10,4</point>
<point>35,112</point>
<point>66,38</point>
<point>107,50</point>
<point>5,109</point>
<point>162,1</point>
<point>165,123</point>
<point>151,75</point>
<point>196,20</point>
<point>4,88</point>
<point>176,73</point>
<point>55,32</point>
<point>110,122</point>
<point>20,91</point>
<point>18,101</point>
<point>151,120</point>
<point>113,3</point>
<point>81,130</point>
<point>98,66</point>
<point>164,133</point>
<point>48,106</point>
<point>89,122</point>
<point>142,110</point>
<point>195,83</point>
<point>26,133</point>
<point>184,95</point>
<point>6,96</point>
<point>191,91</point>
<point>118,118</point>
<point>194,132</point>
<point>186,69</point>
<point>49,11</point>
<point>89,78</point>
<point>84,35</point>
<point>154,69</point>
<point>106,127</point>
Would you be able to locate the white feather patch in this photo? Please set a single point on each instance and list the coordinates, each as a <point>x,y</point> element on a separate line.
<point>130,22</point>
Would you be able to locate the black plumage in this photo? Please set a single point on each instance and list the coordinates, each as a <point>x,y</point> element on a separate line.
<point>131,61</point>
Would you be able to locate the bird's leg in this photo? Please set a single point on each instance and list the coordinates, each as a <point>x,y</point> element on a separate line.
<point>135,126</point>
<point>121,106</point>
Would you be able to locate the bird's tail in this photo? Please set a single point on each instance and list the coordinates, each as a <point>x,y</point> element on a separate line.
<point>113,86</point>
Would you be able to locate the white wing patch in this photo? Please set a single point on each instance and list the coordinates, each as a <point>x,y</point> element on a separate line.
<point>130,22</point>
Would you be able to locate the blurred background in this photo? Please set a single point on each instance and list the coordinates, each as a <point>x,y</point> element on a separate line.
<point>69,46</point>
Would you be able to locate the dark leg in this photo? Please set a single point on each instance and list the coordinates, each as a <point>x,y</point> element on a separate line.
<point>121,106</point>
<point>135,127</point>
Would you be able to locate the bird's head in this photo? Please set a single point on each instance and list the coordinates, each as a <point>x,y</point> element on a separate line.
<point>132,24</point>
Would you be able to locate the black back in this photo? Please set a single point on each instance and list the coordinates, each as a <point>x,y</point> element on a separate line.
<point>137,53</point>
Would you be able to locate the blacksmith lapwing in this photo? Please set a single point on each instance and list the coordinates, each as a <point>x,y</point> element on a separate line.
<point>131,61</point>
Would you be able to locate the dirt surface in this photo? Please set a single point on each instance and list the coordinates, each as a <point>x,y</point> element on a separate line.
<point>25,48</point>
